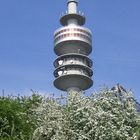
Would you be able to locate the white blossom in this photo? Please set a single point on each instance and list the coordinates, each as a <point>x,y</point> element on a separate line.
<point>103,116</point>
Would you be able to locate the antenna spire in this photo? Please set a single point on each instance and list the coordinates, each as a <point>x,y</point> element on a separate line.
<point>72,6</point>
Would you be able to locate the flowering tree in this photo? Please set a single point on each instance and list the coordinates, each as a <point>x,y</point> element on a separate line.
<point>107,115</point>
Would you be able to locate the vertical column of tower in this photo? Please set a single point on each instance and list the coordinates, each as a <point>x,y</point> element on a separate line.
<point>73,44</point>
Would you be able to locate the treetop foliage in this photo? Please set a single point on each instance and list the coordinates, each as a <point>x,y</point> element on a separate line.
<point>106,115</point>
<point>16,119</point>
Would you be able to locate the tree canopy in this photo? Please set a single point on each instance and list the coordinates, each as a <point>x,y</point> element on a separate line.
<point>106,115</point>
<point>16,119</point>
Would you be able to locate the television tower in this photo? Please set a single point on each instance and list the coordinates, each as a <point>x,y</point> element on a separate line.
<point>73,44</point>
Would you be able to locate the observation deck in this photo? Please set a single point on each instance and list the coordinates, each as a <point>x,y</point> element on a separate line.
<point>73,39</point>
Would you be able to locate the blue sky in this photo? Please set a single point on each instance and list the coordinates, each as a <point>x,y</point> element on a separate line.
<point>26,43</point>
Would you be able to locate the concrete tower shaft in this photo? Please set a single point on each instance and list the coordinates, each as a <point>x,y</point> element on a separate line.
<point>73,44</point>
